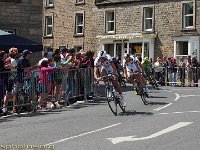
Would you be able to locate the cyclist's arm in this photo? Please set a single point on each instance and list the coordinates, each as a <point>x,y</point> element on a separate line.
<point>125,72</point>
<point>114,69</point>
<point>95,72</point>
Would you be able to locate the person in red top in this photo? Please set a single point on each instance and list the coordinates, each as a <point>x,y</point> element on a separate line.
<point>43,83</point>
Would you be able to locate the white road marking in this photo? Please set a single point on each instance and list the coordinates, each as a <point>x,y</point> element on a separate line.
<point>178,112</point>
<point>184,89</point>
<point>167,90</point>
<point>83,134</point>
<point>159,108</point>
<point>177,96</point>
<point>133,138</point>
<point>189,95</point>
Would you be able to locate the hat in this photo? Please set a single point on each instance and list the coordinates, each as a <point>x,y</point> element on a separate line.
<point>126,55</point>
<point>26,52</point>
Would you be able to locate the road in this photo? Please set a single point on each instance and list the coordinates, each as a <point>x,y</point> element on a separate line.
<point>170,122</point>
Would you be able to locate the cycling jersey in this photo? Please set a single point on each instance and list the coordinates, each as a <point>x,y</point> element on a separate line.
<point>130,66</point>
<point>104,63</point>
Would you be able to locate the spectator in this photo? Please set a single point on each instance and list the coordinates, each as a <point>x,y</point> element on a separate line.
<point>58,75</point>
<point>44,57</point>
<point>181,67</point>
<point>3,80</point>
<point>43,83</point>
<point>11,78</point>
<point>23,67</point>
<point>195,66</point>
<point>189,70</point>
<point>174,71</point>
<point>64,51</point>
<point>158,69</point>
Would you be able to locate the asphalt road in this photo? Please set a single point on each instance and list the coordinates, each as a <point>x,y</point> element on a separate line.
<point>170,122</point>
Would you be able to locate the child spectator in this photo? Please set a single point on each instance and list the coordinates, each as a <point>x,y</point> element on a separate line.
<point>43,83</point>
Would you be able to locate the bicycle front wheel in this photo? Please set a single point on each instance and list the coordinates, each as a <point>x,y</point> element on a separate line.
<point>110,97</point>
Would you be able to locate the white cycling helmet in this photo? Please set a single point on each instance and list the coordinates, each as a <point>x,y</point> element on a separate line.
<point>102,54</point>
<point>126,55</point>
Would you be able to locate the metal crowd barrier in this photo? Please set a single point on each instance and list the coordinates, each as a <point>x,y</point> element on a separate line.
<point>178,76</point>
<point>70,84</point>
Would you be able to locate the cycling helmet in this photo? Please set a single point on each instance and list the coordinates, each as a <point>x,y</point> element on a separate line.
<point>102,54</point>
<point>146,59</point>
<point>126,55</point>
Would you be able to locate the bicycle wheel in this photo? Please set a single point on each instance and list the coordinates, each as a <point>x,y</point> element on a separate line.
<point>122,107</point>
<point>110,97</point>
<point>143,97</point>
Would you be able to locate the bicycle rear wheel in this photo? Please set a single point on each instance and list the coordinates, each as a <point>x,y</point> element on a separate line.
<point>143,97</point>
<point>123,108</point>
<point>110,97</point>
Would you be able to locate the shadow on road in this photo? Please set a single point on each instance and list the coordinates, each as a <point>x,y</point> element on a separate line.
<point>157,103</point>
<point>133,113</point>
<point>158,97</point>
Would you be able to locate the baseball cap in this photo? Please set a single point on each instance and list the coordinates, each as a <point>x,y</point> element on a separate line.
<point>26,52</point>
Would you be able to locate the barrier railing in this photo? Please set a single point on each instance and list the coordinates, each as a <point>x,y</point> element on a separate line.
<point>25,91</point>
<point>179,76</point>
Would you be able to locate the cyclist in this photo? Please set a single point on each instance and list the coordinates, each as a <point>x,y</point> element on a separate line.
<point>147,65</point>
<point>131,71</point>
<point>104,61</point>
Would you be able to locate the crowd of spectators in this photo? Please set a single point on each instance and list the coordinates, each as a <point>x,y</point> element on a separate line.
<point>51,68</point>
<point>172,72</point>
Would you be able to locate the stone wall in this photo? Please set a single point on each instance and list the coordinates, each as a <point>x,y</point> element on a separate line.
<point>24,16</point>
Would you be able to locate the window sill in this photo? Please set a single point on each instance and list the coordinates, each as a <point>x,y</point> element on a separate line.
<point>78,35</point>
<point>80,3</point>
<point>188,29</point>
<point>110,33</point>
<point>48,36</point>
<point>48,7</point>
<point>148,32</point>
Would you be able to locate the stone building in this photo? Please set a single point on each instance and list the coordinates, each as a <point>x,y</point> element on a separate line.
<point>143,27</point>
<point>149,27</point>
<point>69,24</point>
<point>22,17</point>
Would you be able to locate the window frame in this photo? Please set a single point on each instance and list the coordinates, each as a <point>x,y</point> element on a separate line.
<point>81,2</point>
<point>46,26</point>
<point>49,5</point>
<point>76,26</point>
<point>144,19</point>
<point>183,15</point>
<point>112,21</point>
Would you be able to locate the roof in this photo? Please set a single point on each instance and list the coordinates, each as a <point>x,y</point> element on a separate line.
<point>11,40</point>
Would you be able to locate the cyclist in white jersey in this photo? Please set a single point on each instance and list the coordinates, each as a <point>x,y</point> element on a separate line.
<point>104,61</point>
<point>131,71</point>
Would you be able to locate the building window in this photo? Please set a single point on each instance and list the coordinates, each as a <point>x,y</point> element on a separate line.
<point>79,23</point>
<point>110,21</point>
<point>48,26</point>
<point>79,1</point>
<point>188,15</point>
<point>77,48</point>
<point>49,3</point>
<point>148,19</point>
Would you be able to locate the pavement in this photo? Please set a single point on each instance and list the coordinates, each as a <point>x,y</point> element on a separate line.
<point>170,122</point>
